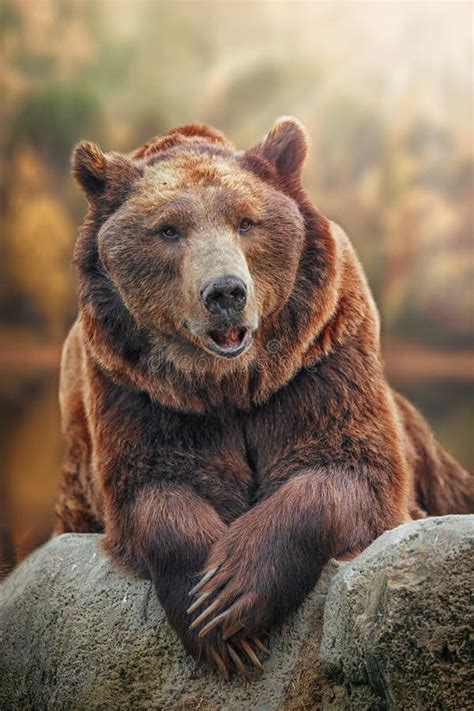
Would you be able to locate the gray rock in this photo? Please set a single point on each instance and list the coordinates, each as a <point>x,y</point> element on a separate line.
<point>75,633</point>
<point>398,621</point>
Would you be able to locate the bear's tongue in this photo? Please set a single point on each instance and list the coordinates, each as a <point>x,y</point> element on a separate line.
<point>230,338</point>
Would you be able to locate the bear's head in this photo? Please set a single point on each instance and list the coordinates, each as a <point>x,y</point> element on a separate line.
<point>205,272</point>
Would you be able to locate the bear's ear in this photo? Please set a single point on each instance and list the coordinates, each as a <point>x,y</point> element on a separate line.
<point>106,176</point>
<point>285,146</point>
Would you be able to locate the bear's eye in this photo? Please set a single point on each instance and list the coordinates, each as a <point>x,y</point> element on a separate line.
<point>245,225</point>
<point>169,232</point>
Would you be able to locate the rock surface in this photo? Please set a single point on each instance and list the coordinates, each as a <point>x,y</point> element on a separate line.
<point>398,620</point>
<point>75,633</point>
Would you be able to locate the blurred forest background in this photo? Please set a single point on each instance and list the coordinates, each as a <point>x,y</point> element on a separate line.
<point>385,90</point>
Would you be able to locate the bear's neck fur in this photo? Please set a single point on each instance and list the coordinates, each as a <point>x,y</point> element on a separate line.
<point>316,319</point>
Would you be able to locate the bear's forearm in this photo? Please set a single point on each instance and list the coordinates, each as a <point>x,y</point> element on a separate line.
<point>323,512</point>
<point>171,529</point>
<point>271,557</point>
<point>168,529</point>
<point>327,511</point>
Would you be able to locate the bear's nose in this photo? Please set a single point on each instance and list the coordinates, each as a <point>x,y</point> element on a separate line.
<point>225,294</point>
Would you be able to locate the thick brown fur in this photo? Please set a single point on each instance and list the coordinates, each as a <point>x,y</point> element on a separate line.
<point>266,464</point>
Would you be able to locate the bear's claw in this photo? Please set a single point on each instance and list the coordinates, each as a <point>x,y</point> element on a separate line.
<point>197,603</point>
<point>259,644</point>
<point>251,654</point>
<point>214,622</point>
<point>221,665</point>
<point>206,613</point>
<point>239,663</point>
<point>204,580</point>
<point>232,630</point>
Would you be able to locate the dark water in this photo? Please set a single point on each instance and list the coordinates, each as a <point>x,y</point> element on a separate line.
<point>31,449</point>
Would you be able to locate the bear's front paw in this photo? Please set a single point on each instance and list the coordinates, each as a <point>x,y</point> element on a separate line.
<point>225,655</point>
<point>230,655</point>
<point>238,601</point>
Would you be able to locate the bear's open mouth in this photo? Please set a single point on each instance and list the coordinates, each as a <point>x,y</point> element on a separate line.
<point>229,343</point>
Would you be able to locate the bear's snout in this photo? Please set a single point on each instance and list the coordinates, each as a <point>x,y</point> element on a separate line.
<point>225,295</point>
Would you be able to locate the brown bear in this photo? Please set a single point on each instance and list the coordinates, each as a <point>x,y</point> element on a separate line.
<point>223,398</point>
